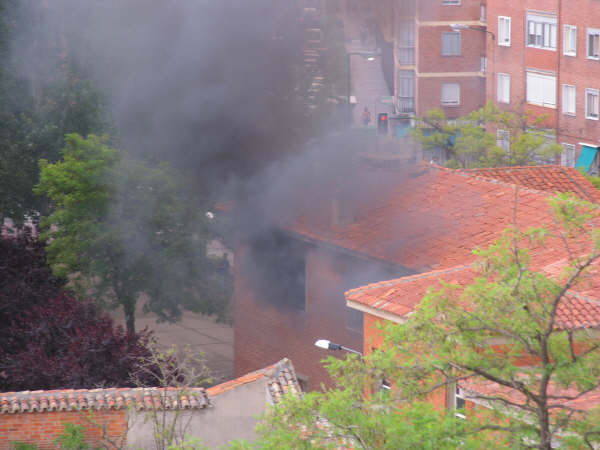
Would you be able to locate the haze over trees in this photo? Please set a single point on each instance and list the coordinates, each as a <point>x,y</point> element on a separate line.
<point>120,228</point>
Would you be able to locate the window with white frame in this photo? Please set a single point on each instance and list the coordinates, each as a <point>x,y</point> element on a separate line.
<point>503,88</point>
<point>541,31</point>
<point>593,43</point>
<point>451,43</point>
<point>504,31</point>
<point>541,89</point>
<point>567,157</point>
<point>592,100</point>
<point>457,400</point>
<point>570,40</point>
<point>450,94</point>
<point>483,64</point>
<point>503,139</point>
<point>569,99</point>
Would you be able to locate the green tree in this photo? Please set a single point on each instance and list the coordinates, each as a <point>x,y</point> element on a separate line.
<point>511,305</point>
<point>43,96</point>
<point>471,141</point>
<point>120,228</point>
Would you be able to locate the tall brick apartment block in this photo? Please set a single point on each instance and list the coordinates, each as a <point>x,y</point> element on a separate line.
<point>545,60</point>
<point>439,55</point>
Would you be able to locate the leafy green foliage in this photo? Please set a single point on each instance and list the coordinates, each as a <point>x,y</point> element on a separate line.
<point>38,106</point>
<point>73,438</point>
<point>471,140</point>
<point>22,446</point>
<point>121,228</point>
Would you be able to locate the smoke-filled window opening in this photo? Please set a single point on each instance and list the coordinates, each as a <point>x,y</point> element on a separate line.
<point>360,272</point>
<point>278,270</point>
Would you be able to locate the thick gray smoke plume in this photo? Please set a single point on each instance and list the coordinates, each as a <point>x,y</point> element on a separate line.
<point>207,85</point>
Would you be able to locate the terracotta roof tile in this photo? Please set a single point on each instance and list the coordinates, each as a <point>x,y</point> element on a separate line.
<point>544,178</point>
<point>281,379</point>
<point>101,399</point>
<point>432,217</point>
<point>401,296</point>
<point>476,388</point>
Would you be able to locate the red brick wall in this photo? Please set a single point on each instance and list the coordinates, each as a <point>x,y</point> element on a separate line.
<point>578,71</point>
<point>43,428</point>
<point>434,10</point>
<point>434,19</point>
<point>264,334</point>
<point>471,94</point>
<point>430,56</point>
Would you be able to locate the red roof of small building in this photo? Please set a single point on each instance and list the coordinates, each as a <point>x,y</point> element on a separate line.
<point>544,178</point>
<point>477,388</point>
<point>400,297</point>
<point>431,218</point>
<point>281,379</point>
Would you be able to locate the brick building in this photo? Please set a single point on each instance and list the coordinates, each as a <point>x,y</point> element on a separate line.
<point>426,219</point>
<point>439,62</point>
<point>579,311</point>
<point>545,61</point>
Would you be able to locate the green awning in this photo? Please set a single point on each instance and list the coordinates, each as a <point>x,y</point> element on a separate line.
<point>587,157</point>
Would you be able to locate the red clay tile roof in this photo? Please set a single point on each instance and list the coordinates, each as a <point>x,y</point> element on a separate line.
<point>544,178</point>
<point>432,218</point>
<point>400,297</point>
<point>281,379</point>
<point>99,399</point>
<point>476,388</point>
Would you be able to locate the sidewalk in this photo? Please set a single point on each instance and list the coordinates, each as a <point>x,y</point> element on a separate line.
<point>367,82</point>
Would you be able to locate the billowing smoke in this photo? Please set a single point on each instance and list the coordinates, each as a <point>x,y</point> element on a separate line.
<point>207,85</point>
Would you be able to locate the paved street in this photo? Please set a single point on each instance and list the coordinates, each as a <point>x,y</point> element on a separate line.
<point>201,333</point>
<point>367,81</point>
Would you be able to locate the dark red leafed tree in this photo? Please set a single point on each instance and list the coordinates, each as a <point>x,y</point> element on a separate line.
<point>48,338</point>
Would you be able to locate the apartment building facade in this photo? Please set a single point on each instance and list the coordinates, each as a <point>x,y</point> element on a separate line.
<point>544,60</point>
<point>439,55</point>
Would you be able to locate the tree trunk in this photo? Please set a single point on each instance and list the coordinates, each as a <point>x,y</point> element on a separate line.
<point>129,310</point>
<point>545,433</point>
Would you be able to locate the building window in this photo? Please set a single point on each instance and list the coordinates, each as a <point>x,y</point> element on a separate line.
<point>503,88</point>
<point>354,319</point>
<point>541,89</point>
<point>567,158</point>
<point>570,40</point>
<point>568,100</point>
<point>503,139</point>
<point>451,2</point>
<point>592,98</point>
<point>450,94</point>
<point>541,31</point>
<point>593,43</point>
<point>406,42</point>
<point>504,31</point>
<point>451,43</point>
<point>456,400</point>
<point>406,91</point>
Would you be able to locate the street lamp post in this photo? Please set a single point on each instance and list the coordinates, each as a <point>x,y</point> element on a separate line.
<point>328,345</point>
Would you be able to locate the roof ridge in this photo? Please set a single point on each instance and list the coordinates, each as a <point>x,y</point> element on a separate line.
<point>103,398</point>
<point>467,173</point>
<point>408,278</point>
<point>566,171</point>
